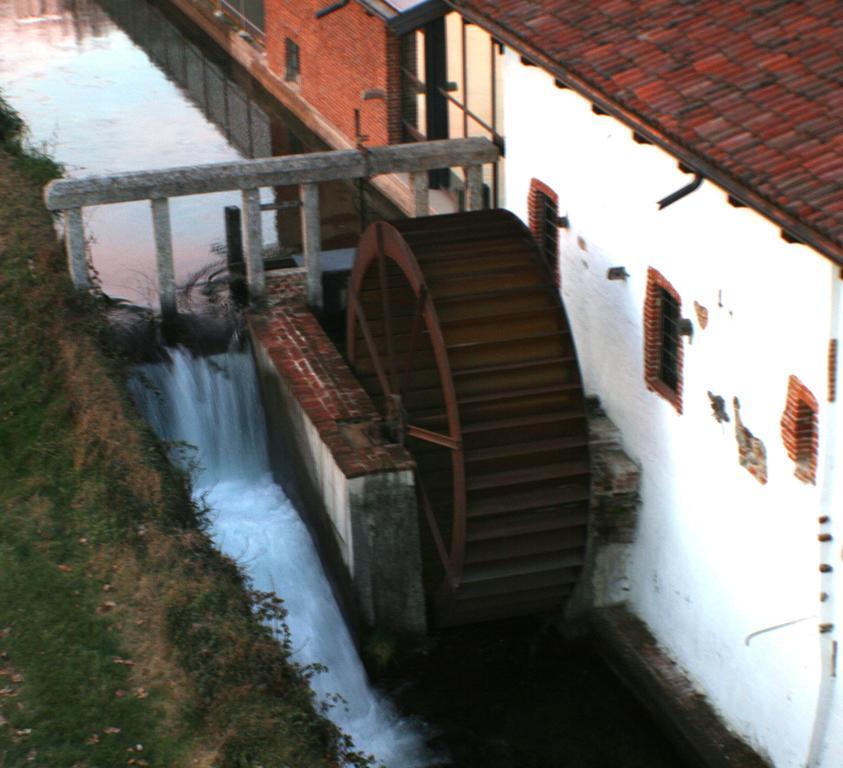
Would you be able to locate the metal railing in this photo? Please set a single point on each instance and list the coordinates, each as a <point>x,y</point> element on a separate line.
<point>250,13</point>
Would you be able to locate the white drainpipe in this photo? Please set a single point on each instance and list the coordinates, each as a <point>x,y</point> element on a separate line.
<point>830,531</point>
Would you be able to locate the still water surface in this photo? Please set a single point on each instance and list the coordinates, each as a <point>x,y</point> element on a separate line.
<point>116,86</point>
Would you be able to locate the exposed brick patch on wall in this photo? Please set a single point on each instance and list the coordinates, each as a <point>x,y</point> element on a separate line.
<point>752,455</point>
<point>832,370</point>
<point>322,383</point>
<point>537,199</point>
<point>800,429</point>
<point>342,54</point>
<point>653,334</point>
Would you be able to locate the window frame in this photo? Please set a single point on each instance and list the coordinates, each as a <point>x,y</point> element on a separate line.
<point>656,335</point>
<point>541,198</point>
<point>292,61</point>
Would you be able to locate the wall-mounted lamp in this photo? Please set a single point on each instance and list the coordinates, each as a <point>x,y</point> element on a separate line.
<point>617,273</point>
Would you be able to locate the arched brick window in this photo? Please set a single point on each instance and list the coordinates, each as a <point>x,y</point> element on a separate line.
<point>662,339</point>
<point>800,429</point>
<point>543,214</point>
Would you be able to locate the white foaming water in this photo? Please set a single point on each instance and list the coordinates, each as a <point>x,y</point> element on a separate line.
<point>213,403</point>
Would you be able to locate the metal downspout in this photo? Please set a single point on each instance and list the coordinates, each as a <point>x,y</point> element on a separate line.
<point>828,525</point>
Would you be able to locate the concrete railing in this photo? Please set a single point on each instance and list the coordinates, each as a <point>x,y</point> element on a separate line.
<point>70,196</point>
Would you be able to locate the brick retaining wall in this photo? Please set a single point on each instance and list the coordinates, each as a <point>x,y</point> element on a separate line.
<point>328,447</point>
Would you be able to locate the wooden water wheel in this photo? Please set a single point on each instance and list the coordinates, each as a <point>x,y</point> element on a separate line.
<point>456,330</point>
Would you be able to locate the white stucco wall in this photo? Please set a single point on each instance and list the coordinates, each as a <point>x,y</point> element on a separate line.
<point>718,556</point>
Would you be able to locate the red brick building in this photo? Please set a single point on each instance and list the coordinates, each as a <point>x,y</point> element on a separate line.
<point>339,58</point>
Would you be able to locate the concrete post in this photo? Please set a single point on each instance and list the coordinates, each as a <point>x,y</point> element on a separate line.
<point>312,243</point>
<point>164,256</point>
<point>474,188</point>
<point>254,244</point>
<point>74,238</point>
<point>421,195</point>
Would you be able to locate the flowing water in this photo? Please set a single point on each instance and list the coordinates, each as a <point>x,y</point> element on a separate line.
<point>213,404</point>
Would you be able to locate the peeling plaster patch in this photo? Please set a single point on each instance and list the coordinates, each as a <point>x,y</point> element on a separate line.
<point>702,315</point>
<point>718,407</point>
<point>751,451</point>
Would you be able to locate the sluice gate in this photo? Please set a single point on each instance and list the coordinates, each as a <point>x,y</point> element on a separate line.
<point>456,330</point>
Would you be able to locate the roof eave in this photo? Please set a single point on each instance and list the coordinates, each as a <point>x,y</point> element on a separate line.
<point>788,222</point>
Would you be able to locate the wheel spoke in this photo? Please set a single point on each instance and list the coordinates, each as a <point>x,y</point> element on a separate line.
<point>437,438</point>
<point>370,343</point>
<point>386,307</point>
<point>436,533</point>
<point>418,320</point>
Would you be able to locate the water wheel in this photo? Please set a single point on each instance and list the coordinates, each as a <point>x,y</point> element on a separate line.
<point>456,330</point>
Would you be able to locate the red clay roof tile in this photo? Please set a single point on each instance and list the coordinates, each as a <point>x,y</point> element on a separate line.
<point>752,89</point>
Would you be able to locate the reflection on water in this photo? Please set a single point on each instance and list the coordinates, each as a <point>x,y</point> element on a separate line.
<point>224,103</point>
<point>117,85</point>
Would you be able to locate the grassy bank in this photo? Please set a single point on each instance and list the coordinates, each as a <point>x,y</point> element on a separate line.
<point>125,638</point>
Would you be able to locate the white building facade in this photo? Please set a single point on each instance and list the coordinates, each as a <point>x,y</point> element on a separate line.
<point>737,559</point>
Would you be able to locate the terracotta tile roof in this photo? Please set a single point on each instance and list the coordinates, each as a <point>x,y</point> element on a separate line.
<point>751,89</point>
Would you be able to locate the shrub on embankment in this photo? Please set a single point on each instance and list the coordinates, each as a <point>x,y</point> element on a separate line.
<point>125,638</point>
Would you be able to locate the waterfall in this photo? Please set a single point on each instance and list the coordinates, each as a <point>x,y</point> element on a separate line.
<point>209,410</point>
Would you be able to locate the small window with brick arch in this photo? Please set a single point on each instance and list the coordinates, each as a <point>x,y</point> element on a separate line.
<point>543,210</point>
<point>663,339</point>
<point>292,61</point>
<point>800,429</point>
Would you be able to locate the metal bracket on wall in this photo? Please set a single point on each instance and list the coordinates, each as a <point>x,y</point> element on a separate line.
<point>680,193</point>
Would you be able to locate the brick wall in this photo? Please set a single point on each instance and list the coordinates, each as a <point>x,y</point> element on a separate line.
<point>341,55</point>
<point>800,429</point>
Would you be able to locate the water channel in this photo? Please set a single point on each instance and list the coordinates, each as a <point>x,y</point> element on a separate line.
<point>121,85</point>
<point>213,405</point>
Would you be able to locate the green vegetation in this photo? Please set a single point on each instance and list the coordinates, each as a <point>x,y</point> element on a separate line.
<point>125,638</point>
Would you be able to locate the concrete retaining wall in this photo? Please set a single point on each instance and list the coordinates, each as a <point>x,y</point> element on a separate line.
<point>355,488</point>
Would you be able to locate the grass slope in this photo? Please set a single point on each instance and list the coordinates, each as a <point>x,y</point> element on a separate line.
<point>125,638</point>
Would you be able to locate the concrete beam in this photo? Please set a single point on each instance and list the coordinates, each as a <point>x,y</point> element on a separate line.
<point>164,256</point>
<point>311,230</point>
<point>74,238</point>
<point>254,244</point>
<point>421,194</point>
<point>291,170</point>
